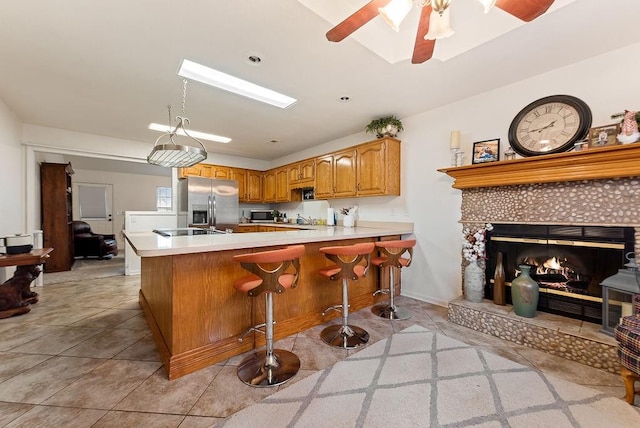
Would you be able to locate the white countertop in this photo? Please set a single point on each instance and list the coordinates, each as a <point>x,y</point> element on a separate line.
<point>149,244</point>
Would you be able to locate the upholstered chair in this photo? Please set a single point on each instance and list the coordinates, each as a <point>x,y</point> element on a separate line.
<point>89,244</point>
<point>628,337</point>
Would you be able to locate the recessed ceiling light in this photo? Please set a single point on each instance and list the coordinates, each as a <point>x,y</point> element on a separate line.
<point>196,134</point>
<point>344,99</point>
<point>254,59</point>
<point>209,76</point>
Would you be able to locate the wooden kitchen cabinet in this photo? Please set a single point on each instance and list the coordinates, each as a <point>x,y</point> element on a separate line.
<point>57,215</point>
<point>378,168</point>
<point>240,175</point>
<point>302,174</point>
<point>269,186</point>
<point>282,185</point>
<point>336,175</point>
<point>254,186</point>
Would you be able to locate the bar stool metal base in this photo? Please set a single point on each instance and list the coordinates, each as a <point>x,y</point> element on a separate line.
<point>387,312</point>
<point>346,337</point>
<point>255,371</point>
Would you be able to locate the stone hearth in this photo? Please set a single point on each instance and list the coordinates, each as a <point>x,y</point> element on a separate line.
<point>575,340</point>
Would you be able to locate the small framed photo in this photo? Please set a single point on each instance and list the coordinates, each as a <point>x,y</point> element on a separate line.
<point>602,136</point>
<point>486,151</point>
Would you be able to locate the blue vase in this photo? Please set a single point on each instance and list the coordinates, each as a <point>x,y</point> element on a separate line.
<point>525,293</point>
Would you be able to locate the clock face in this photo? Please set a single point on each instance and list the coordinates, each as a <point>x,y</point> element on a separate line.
<point>550,125</point>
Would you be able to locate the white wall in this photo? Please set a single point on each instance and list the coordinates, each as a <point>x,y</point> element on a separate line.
<point>12,175</point>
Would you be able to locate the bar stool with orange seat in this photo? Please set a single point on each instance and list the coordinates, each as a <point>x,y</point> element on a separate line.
<point>347,267</point>
<point>391,257</point>
<point>271,272</point>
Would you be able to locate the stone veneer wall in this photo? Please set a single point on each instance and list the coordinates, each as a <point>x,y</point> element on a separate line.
<point>610,202</point>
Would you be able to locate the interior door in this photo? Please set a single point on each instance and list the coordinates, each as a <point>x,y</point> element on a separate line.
<point>93,203</point>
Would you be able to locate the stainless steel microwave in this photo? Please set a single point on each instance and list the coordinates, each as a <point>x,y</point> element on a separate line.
<point>261,216</point>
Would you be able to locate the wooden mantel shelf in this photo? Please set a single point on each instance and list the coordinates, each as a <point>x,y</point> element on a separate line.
<point>605,162</point>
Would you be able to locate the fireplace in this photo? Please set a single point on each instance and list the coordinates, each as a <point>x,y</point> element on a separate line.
<point>568,262</point>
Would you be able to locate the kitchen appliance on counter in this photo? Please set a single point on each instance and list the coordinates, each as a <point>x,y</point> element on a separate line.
<point>209,203</point>
<point>190,231</point>
<point>17,244</point>
<point>261,216</point>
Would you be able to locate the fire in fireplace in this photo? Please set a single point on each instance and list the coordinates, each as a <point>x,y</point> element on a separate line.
<point>568,262</point>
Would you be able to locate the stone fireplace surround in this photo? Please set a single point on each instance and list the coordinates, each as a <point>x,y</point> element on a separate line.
<point>600,187</point>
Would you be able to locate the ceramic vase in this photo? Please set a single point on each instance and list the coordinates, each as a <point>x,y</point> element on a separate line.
<point>473,282</point>
<point>349,220</point>
<point>524,293</point>
<point>499,282</point>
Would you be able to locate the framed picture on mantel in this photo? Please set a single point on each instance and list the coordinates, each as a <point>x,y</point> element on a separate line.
<point>486,151</point>
<point>601,136</point>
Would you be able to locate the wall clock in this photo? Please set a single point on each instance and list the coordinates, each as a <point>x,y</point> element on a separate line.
<point>550,125</point>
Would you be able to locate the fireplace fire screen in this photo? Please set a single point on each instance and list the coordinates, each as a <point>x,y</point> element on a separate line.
<point>568,262</point>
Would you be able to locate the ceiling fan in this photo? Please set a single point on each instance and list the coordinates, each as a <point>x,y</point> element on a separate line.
<point>434,19</point>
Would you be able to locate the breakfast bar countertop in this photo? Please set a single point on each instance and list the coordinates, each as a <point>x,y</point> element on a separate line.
<point>150,244</point>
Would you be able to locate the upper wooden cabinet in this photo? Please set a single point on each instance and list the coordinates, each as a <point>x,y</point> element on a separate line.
<point>370,169</point>
<point>302,174</point>
<point>240,175</point>
<point>378,168</point>
<point>254,186</point>
<point>269,186</point>
<point>282,185</point>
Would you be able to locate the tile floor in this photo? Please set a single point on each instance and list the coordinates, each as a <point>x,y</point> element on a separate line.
<point>83,357</point>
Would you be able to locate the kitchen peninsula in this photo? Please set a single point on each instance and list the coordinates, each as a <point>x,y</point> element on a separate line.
<point>196,316</point>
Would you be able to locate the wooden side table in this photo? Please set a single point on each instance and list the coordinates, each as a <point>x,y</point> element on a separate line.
<point>16,296</point>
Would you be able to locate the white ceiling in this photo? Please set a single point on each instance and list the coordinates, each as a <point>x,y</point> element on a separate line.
<point>109,67</point>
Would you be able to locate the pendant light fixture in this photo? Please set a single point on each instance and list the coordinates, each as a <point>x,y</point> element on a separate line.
<point>171,155</point>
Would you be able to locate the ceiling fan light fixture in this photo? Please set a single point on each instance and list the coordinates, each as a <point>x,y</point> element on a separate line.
<point>488,4</point>
<point>395,12</point>
<point>439,25</point>
<point>440,5</point>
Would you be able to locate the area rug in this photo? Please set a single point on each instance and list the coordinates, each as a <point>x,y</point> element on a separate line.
<point>426,379</point>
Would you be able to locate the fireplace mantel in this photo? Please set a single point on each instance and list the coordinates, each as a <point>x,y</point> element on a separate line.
<point>605,162</point>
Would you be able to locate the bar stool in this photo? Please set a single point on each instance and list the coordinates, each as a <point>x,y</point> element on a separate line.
<point>271,272</point>
<point>391,257</point>
<point>347,266</point>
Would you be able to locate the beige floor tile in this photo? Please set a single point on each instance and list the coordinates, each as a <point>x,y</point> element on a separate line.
<point>14,335</point>
<point>227,394</point>
<point>115,419</point>
<point>44,416</point>
<point>106,344</point>
<point>105,386</point>
<point>12,411</point>
<point>58,340</point>
<point>12,364</point>
<point>200,422</point>
<point>142,350</point>
<point>157,394</point>
<point>42,381</point>
<point>107,318</point>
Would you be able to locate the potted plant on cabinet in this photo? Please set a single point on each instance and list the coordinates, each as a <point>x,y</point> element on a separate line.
<point>385,126</point>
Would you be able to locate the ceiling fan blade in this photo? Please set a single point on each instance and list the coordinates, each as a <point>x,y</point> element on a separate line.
<point>527,10</point>
<point>423,49</point>
<point>363,15</point>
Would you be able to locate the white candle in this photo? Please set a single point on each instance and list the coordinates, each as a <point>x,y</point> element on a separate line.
<point>455,139</point>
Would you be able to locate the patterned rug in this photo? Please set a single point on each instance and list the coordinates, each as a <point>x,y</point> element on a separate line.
<point>421,378</point>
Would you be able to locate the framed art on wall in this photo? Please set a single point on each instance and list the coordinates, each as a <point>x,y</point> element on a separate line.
<point>486,151</point>
<point>601,136</point>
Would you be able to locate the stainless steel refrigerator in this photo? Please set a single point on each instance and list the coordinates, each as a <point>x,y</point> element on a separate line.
<point>211,203</point>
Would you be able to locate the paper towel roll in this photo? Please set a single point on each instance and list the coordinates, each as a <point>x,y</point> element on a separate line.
<point>330,217</point>
<point>38,239</point>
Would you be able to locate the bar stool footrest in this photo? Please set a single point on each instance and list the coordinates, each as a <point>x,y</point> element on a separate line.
<point>387,312</point>
<point>347,337</point>
<point>337,308</point>
<point>254,371</point>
